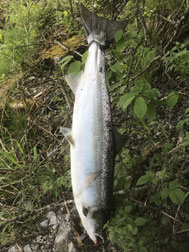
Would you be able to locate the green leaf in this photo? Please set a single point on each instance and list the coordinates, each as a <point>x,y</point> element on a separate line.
<point>67,58</point>
<point>120,45</point>
<point>143,180</point>
<point>140,107</point>
<point>134,231</point>
<point>138,86</point>
<point>151,112</point>
<point>116,68</point>
<point>174,185</point>
<point>74,68</point>
<point>140,221</point>
<point>118,35</point>
<point>10,157</point>
<point>154,181</point>
<point>172,99</point>
<point>113,236</point>
<point>128,209</point>
<point>143,249</point>
<point>35,154</point>
<point>65,61</point>
<point>185,141</point>
<point>149,94</point>
<point>147,86</point>
<point>1,37</point>
<point>19,146</point>
<point>108,76</point>
<point>164,193</point>
<point>187,111</point>
<point>84,57</point>
<point>126,100</point>
<point>151,55</point>
<point>150,174</point>
<point>177,196</point>
<point>156,92</point>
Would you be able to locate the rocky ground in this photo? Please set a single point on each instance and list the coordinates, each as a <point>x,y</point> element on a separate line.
<point>56,232</point>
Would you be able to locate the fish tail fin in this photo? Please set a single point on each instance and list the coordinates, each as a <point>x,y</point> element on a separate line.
<point>99,29</point>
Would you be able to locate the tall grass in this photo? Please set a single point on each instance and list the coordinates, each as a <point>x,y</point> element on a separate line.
<point>24,23</point>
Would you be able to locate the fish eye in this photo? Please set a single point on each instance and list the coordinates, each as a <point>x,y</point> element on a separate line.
<point>85,211</point>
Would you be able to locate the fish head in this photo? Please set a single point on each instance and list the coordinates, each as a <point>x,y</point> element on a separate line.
<point>93,221</point>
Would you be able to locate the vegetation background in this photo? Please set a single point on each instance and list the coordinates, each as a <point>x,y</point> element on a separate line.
<point>147,76</point>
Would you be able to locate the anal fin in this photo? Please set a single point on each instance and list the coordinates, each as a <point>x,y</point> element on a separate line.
<point>67,132</point>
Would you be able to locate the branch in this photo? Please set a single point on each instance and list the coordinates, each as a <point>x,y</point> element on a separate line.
<point>177,29</point>
<point>120,8</point>
<point>71,8</point>
<point>162,212</point>
<point>67,48</point>
<point>143,71</point>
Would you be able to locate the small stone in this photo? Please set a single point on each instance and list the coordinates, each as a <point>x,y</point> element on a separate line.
<point>27,248</point>
<point>53,221</point>
<point>34,247</point>
<point>44,224</point>
<point>39,239</point>
<point>51,216</point>
<point>13,249</point>
<point>55,227</point>
<point>72,248</point>
<point>31,78</point>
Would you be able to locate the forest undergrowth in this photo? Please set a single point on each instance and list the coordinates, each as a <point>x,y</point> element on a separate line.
<point>147,76</point>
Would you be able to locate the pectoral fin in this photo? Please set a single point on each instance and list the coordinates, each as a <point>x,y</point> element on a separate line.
<point>67,132</point>
<point>73,81</point>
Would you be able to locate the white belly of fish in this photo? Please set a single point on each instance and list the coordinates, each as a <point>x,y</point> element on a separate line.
<point>87,130</point>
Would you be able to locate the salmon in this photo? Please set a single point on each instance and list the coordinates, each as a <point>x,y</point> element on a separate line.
<point>91,137</point>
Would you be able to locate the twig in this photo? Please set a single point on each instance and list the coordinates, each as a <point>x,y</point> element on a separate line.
<point>5,150</point>
<point>132,60</point>
<point>179,10</point>
<point>143,71</point>
<point>140,58</point>
<point>162,212</point>
<point>71,8</point>
<point>176,215</point>
<point>113,8</point>
<point>122,5</point>
<point>47,131</point>
<point>12,183</point>
<point>182,231</point>
<point>67,48</point>
<point>177,148</point>
<point>78,238</point>
<point>171,217</point>
<point>138,13</point>
<point>66,97</point>
<point>176,29</point>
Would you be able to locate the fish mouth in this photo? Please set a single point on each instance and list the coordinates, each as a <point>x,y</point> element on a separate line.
<point>99,239</point>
